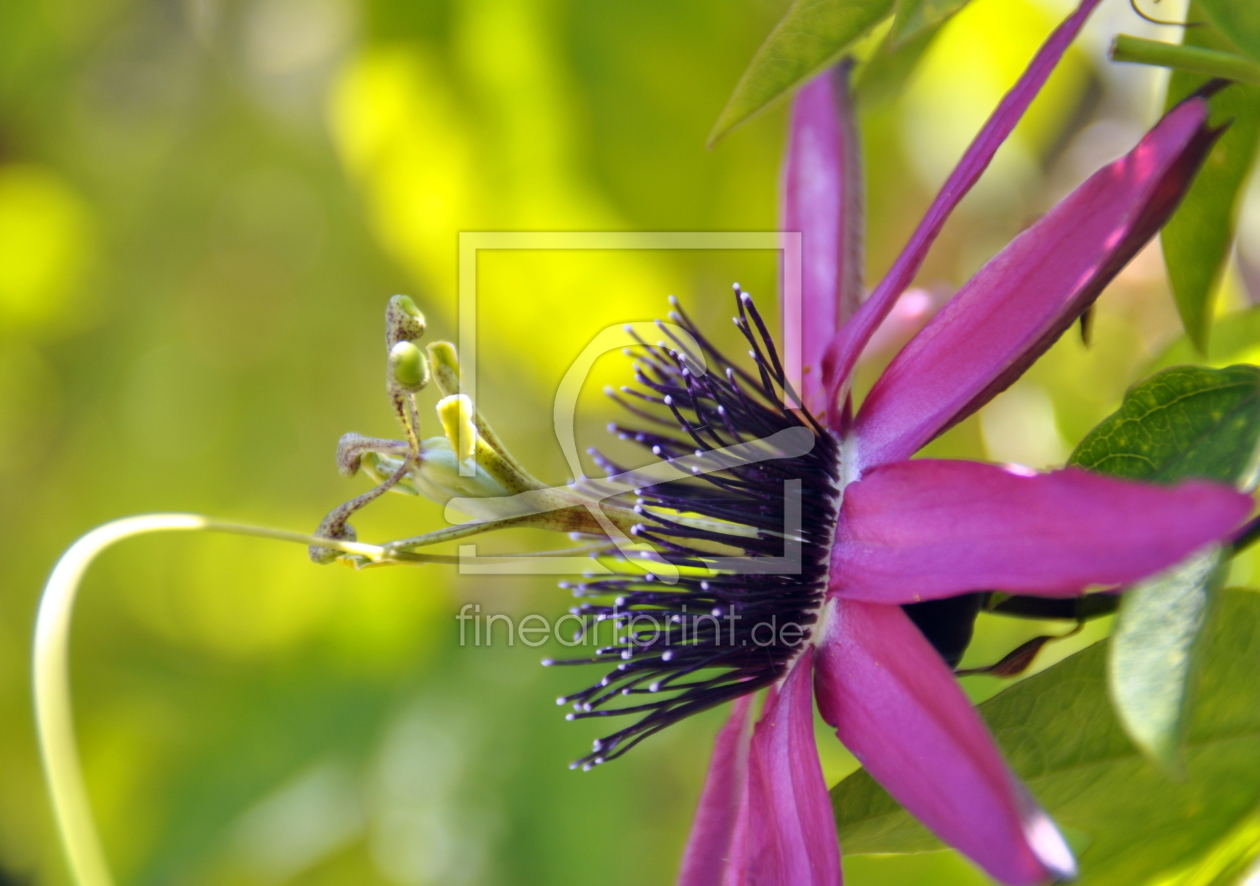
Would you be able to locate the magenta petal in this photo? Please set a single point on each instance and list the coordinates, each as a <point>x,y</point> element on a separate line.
<point>1023,300</point>
<point>709,846</point>
<point>822,199</point>
<point>897,707</point>
<point>736,873</point>
<point>791,828</point>
<point>920,530</point>
<point>843,351</point>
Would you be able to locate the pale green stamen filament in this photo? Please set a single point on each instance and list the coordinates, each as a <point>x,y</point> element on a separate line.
<point>470,471</point>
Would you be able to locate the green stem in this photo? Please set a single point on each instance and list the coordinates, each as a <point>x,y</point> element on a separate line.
<point>1208,62</point>
<point>51,667</point>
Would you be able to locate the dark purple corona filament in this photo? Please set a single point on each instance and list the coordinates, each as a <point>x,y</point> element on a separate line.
<point>751,539</point>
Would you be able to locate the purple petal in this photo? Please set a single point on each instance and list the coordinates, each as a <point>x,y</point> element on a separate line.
<point>822,199</point>
<point>897,707</point>
<point>921,530</point>
<point>1024,299</point>
<point>736,873</point>
<point>843,351</point>
<point>709,846</point>
<point>791,828</point>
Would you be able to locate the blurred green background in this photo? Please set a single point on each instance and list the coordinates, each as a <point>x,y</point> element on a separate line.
<point>204,205</point>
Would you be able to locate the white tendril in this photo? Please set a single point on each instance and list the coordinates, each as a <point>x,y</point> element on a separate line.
<point>51,667</point>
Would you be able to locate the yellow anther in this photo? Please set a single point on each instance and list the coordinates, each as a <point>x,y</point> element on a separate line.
<point>456,415</point>
<point>444,368</point>
<point>445,364</point>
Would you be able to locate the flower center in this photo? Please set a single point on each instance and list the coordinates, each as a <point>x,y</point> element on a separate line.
<point>734,519</point>
<point>749,534</point>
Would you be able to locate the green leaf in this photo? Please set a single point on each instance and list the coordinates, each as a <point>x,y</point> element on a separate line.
<point>915,16</point>
<point>885,73</point>
<point>812,35</point>
<point>1197,238</point>
<point>1061,737</point>
<point>1186,421</point>
<point>1239,20</point>
<point>1156,647</point>
<point>1226,863</point>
